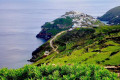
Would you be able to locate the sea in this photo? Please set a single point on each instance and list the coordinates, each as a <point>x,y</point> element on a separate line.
<point>21,20</point>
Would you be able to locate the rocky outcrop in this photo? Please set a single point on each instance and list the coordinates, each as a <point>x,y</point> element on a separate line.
<point>43,34</point>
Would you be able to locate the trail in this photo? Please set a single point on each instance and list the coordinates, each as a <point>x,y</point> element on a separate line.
<point>51,41</point>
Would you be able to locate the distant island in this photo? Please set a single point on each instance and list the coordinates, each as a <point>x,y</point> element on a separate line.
<point>112,16</point>
<point>67,21</point>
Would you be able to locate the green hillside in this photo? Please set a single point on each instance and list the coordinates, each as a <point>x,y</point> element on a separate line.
<point>112,16</point>
<point>82,46</point>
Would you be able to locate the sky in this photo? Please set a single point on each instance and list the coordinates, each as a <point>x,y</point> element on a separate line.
<point>45,4</point>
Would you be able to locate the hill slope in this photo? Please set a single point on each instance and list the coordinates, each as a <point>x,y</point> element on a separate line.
<point>83,46</point>
<point>112,16</point>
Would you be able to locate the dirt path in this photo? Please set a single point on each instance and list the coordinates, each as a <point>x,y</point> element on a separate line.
<point>51,41</point>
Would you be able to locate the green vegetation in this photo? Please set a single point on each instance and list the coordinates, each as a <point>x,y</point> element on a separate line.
<point>67,21</point>
<point>55,72</point>
<point>113,16</point>
<point>56,26</point>
<point>86,46</point>
<point>108,29</point>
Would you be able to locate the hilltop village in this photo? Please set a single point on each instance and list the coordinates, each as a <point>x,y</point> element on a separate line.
<point>68,21</point>
<point>80,19</point>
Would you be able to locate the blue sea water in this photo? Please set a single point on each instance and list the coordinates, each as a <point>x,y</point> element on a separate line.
<point>21,20</point>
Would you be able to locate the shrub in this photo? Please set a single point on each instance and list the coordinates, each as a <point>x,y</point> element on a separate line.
<point>65,72</point>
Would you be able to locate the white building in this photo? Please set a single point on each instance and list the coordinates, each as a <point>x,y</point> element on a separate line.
<point>47,53</point>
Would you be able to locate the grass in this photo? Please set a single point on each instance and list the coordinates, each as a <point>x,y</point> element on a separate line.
<point>55,31</point>
<point>111,49</point>
<point>112,43</point>
<point>115,59</point>
<point>107,29</point>
<point>94,55</point>
<point>46,59</point>
<point>69,45</point>
<point>73,58</point>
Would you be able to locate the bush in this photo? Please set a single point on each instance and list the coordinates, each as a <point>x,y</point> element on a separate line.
<point>65,72</point>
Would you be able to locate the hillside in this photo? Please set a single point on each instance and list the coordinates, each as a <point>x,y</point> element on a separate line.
<point>68,20</point>
<point>112,16</point>
<point>83,46</point>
